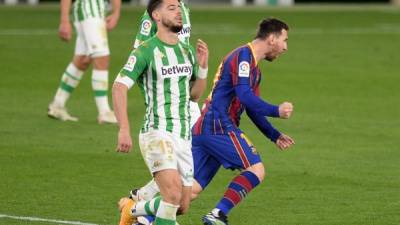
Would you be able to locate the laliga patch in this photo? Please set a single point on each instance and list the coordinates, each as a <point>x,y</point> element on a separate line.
<point>131,63</point>
<point>146,27</point>
<point>244,69</point>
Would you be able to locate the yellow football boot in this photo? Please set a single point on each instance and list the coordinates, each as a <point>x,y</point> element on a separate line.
<point>125,206</point>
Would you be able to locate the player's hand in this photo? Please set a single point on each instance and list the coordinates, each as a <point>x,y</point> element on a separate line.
<point>111,21</point>
<point>284,142</point>
<point>202,53</point>
<point>124,141</point>
<point>285,110</point>
<point>65,31</point>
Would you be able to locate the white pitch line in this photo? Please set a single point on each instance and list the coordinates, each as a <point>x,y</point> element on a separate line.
<point>45,220</point>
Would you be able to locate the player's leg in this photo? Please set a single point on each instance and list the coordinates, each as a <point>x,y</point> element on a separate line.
<point>170,185</point>
<point>147,192</point>
<point>96,38</point>
<point>205,165</point>
<point>185,168</point>
<point>150,190</point>
<point>159,150</point>
<point>238,153</point>
<point>70,78</point>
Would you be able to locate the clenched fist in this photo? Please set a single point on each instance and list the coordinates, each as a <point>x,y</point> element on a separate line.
<point>285,110</point>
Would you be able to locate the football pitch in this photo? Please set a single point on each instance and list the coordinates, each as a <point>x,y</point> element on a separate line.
<point>341,72</point>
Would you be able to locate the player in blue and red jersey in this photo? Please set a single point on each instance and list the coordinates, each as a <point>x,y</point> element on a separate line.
<point>217,139</point>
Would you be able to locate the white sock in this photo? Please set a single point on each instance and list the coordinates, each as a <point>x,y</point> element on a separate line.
<point>69,81</point>
<point>100,88</point>
<point>148,191</point>
<point>143,208</point>
<point>167,212</point>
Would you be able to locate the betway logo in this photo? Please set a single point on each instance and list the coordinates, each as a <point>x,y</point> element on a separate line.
<point>176,70</point>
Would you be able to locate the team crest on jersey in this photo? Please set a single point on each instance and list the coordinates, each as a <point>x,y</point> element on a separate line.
<point>146,27</point>
<point>131,63</point>
<point>244,69</point>
<point>159,55</point>
<point>176,70</point>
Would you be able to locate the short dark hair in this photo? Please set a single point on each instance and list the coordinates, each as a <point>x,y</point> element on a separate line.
<point>153,5</point>
<point>270,26</point>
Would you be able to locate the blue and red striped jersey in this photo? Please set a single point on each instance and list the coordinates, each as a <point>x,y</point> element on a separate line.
<point>236,89</point>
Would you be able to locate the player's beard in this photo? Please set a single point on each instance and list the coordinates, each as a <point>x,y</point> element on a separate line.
<point>172,27</point>
<point>269,58</point>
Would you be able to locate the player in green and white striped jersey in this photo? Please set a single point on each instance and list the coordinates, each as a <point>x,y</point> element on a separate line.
<point>91,48</point>
<point>162,66</point>
<point>165,84</point>
<point>148,29</point>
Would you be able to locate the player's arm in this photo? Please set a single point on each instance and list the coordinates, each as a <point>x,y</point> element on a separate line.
<point>200,84</point>
<point>255,103</point>
<point>65,28</point>
<point>240,74</point>
<point>126,78</point>
<point>112,19</point>
<point>263,125</point>
<point>146,30</point>
<point>281,140</point>
<point>252,101</point>
<point>120,102</point>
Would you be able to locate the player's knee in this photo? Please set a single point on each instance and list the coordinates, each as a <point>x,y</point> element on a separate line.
<point>194,195</point>
<point>82,62</point>
<point>259,170</point>
<point>101,63</point>
<point>196,190</point>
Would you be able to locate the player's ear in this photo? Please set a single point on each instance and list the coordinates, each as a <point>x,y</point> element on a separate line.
<point>270,39</point>
<point>156,15</point>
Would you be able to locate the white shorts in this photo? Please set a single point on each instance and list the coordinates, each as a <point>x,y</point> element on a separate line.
<point>91,38</point>
<point>162,150</point>
<point>194,112</point>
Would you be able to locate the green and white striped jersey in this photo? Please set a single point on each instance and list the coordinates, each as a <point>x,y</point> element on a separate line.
<point>84,9</point>
<point>163,72</point>
<point>148,28</point>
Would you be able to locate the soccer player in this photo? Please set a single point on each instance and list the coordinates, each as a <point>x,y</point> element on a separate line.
<point>148,29</point>
<point>162,66</point>
<point>91,47</point>
<point>217,139</point>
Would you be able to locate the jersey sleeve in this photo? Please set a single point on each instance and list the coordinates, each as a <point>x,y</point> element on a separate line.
<point>135,66</point>
<point>263,125</point>
<point>240,72</point>
<point>146,30</point>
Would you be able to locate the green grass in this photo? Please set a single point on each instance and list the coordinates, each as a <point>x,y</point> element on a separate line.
<point>341,72</point>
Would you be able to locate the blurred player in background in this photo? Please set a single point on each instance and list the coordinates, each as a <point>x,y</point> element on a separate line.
<point>163,68</point>
<point>91,47</point>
